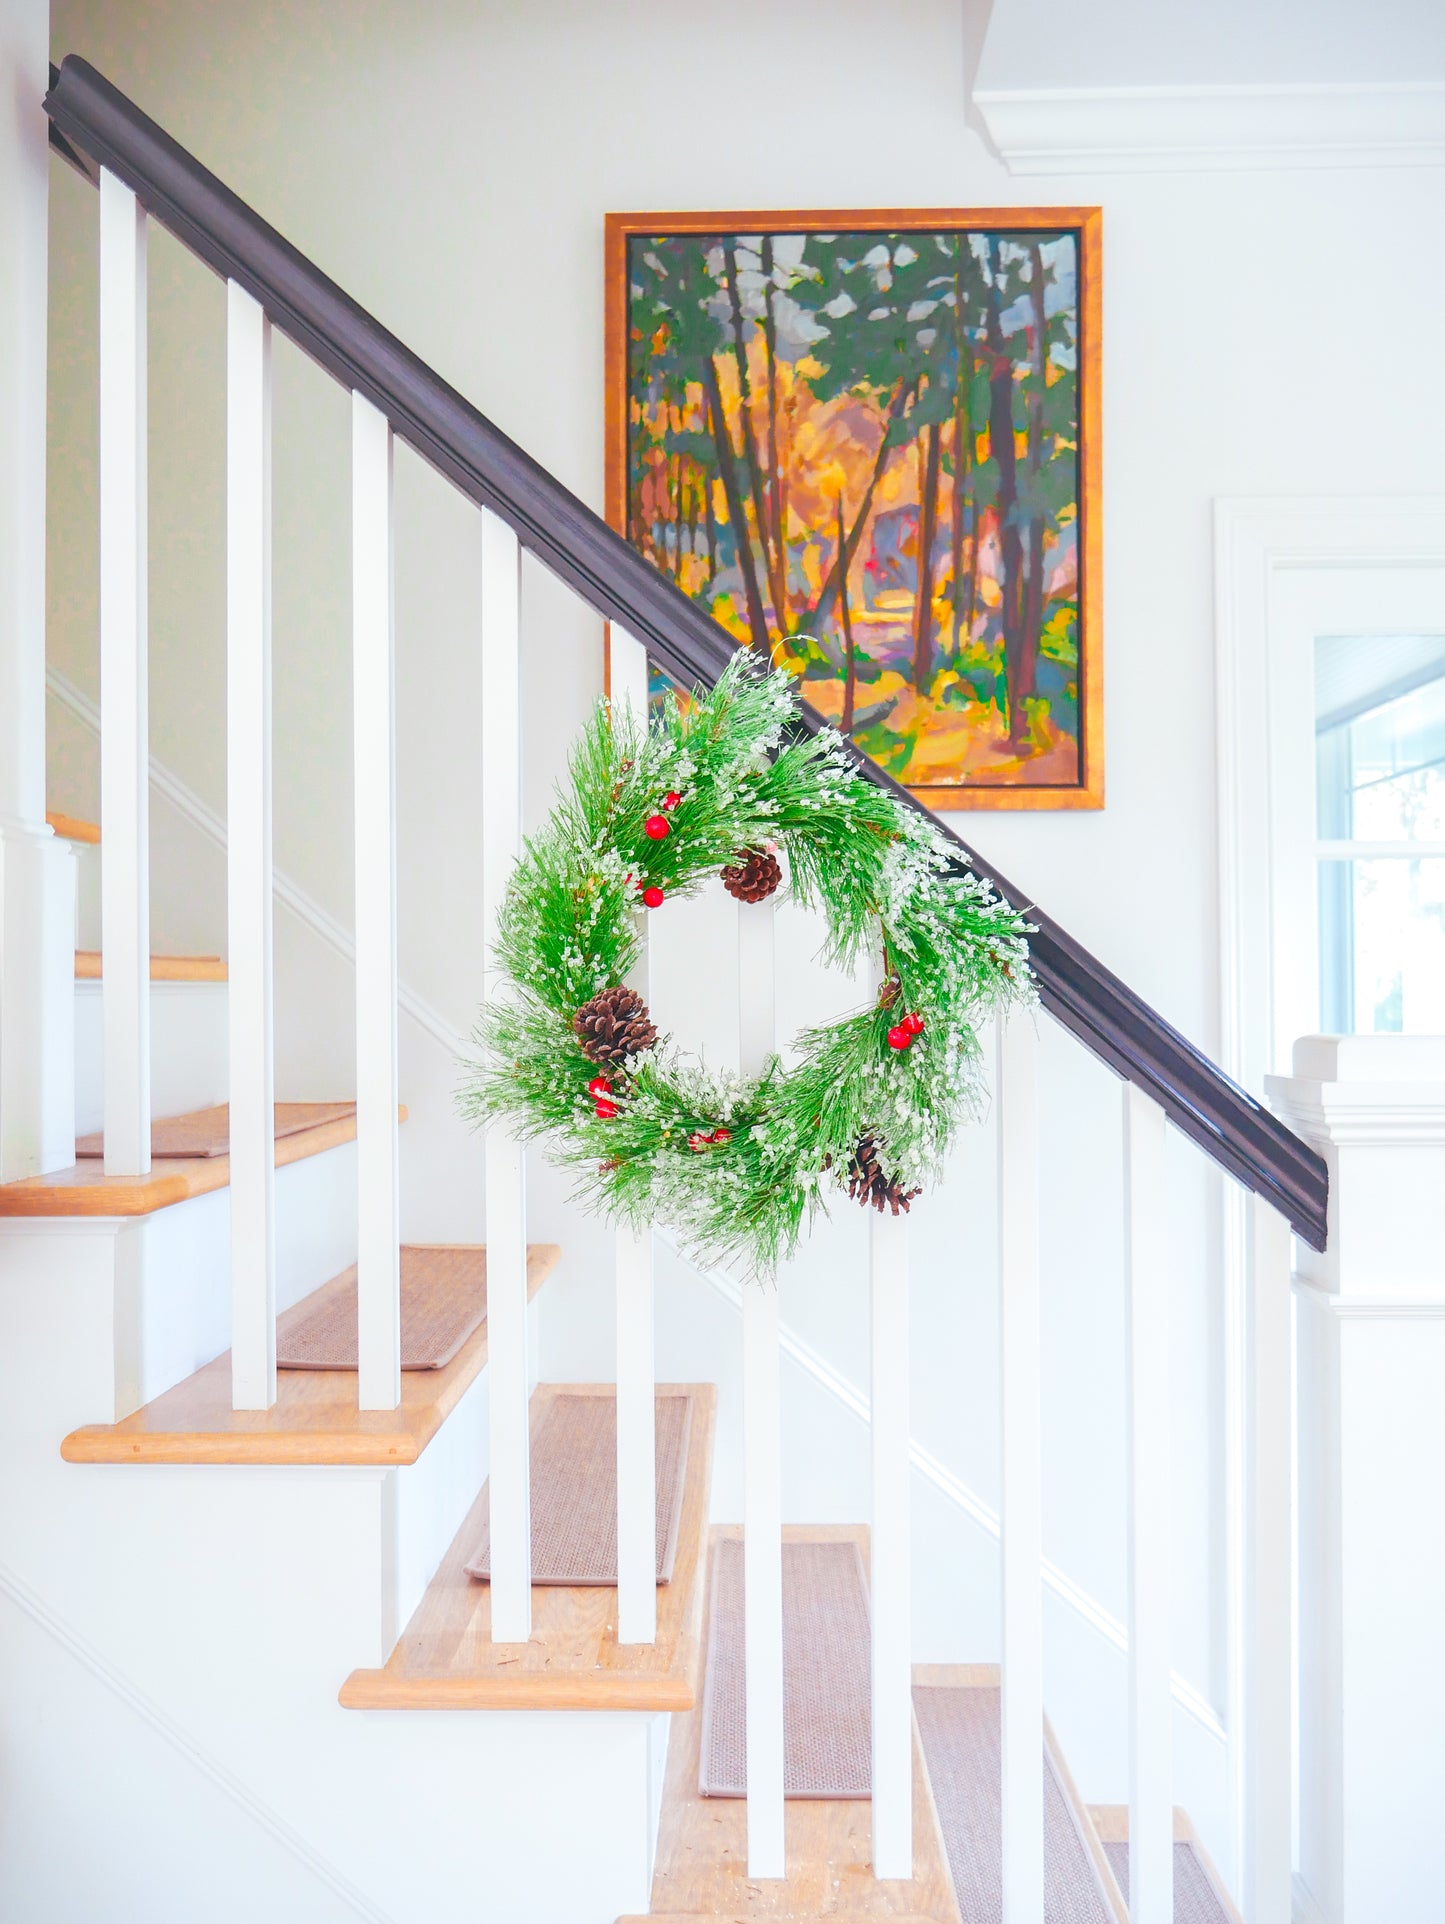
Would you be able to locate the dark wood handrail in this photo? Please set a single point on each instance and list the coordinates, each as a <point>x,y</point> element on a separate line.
<point>95,125</point>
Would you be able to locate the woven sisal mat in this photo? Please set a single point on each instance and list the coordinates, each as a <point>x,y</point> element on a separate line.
<point>574,1490</point>
<point>207,1132</point>
<point>1194,1898</point>
<point>443,1299</point>
<point>827,1719</point>
<point>959,1729</point>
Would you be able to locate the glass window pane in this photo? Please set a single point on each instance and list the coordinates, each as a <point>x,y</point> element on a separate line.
<point>1382,945</point>
<point>1380,737</point>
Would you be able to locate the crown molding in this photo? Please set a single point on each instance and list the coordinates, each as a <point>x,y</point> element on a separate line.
<point>1125,130</point>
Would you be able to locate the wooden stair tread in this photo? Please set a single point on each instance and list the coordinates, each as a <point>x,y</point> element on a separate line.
<point>164,968</point>
<point>1111,1823</point>
<point>986,1676</point>
<point>314,1418</point>
<point>445,1659</point>
<point>84,1189</point>
<point>702,1843</point>
<point>70,828</point>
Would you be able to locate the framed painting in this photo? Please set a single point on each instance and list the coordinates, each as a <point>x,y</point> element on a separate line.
<point>869,443</point>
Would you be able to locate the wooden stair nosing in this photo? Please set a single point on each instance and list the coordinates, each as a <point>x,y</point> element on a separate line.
<point>573,1660</point>
<point>164,968</point>
<point>701,1866</point>
<point>84,1189</point>
<point>314,1419</point>
<point>71,828</point>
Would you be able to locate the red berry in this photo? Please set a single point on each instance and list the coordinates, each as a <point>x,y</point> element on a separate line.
<point>900,1038</point>
<point>913,1023</point>
<point>605,1110</point>
<point>722,1135</point>
<point>599,1086</point>
<point>671,798</point>
<point>653,897</point>
<point>658,827</point>
<point>698,1141</point>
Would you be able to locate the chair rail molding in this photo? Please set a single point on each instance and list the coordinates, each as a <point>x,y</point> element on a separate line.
<point>1061,131</point>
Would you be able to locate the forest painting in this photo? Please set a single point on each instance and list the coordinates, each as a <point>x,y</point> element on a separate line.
<point>868,444</point>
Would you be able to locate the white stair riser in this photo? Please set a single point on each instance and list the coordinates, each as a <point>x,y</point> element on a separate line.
<point>231,1603</point>
<point>188,1050</point>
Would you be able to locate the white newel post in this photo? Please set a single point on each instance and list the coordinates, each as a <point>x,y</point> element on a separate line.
<point>636,1390</point>
<point>124,683</point>
<point>37,869</point>
<point>378,1149</point>
<point>762,1452</point>
<point>1017,1103</point>
<point>507,1368</point>
<point>1371,1455</point>
<point>251,1076</point>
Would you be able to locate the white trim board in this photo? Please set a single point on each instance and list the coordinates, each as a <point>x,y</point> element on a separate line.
<point>1207,129</point>
<point>180,1740</point>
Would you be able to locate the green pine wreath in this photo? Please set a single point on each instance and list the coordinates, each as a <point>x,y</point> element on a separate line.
<point>867,1105</point>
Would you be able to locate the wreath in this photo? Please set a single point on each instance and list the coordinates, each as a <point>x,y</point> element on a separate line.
<point>868,1105</point>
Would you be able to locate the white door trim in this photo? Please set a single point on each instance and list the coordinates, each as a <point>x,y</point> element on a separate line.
<point>1256,541</point>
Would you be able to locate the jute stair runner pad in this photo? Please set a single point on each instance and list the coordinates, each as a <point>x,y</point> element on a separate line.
<point>1194,1900</point>
<point>443,1299</point>
<point>574,1490</point>
<point>207,1132</point>
<point>827,1720</point>
<point>959,1729</point>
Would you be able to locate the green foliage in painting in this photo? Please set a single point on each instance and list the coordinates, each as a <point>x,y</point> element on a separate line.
<point>860,451</point>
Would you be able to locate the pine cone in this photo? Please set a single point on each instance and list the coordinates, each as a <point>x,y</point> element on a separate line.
<point>868,1184</point>
<point>889,991</point>
<point>613,1026</point>
<point>753,876</point>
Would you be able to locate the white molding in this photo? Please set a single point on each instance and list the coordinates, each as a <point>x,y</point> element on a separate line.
<point>928,1466</point>
<point>1207,129</point>
<point>180,1740</point>
<point>1357,1306</point>
<point>290,894</point>
<point>1305,1909</point>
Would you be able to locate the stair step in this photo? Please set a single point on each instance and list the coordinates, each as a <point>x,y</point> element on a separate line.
<point>702,1844</point>
<point>1199,1893</point>
<point>164,968</point>
<point>314,1418</point>
<point>446,1660</point>
<point>957,1710</point>
<point>70,828</point>
<point>84,1189</point>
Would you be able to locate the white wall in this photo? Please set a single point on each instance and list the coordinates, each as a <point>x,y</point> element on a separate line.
<point>451,166</point>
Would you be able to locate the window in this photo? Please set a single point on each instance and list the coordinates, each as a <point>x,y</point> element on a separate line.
<point>1379,716</point>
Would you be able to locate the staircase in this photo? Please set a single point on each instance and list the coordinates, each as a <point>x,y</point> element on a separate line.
<point>239,1595</point>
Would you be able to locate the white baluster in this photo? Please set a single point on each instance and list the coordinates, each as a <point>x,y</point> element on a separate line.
<point>510,1475</point>
<point>891,1550</point>
<point>762,1454</point>
<point>1269,1651</point>
<point>636,1379</point>
<point>248,850</point>
<point>378,1148</point>
<point>125,752</point>
<point>1151,1801</point>
<point>1022,1507</point>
